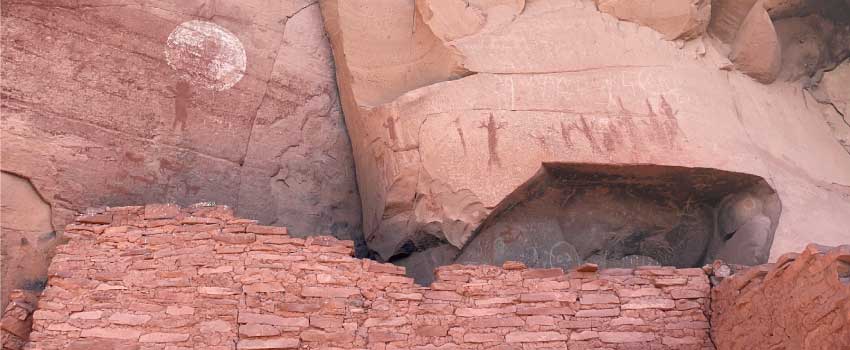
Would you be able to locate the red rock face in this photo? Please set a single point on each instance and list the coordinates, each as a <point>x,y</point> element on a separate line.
<point>800,302</point>
<point>27,237</point>
<point>177,101</point>
<point>16,324</point>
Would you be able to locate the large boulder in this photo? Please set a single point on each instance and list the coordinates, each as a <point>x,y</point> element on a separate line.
<point>441,160</point>
<point>727,16</point>
<point>811,45</point>
<point>805,46</point>
<point>675,19</point>
<point>756,50</point>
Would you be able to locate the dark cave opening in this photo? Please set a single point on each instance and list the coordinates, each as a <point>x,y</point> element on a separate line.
<point>630,215</point>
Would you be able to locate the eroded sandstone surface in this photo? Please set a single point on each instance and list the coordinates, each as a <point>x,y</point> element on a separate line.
<point>121,102</point>
<point>833,91</point>
<point>452,107</point>
<point>16,323</point>
<point>27,236</point>
<point>800,302</point>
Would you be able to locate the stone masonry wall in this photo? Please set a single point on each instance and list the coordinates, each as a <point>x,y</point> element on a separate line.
<point>161,277</point>
<point>16,323</point>
<point>800,302</point>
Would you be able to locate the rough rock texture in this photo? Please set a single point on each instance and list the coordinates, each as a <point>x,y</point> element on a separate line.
<point>16,324</point>
<point>800,302</point>
<point>27,236</point>
<point>791,8</point>
<point>674,19</point>
<point>727,16</point>
<point>806,36</point>
<point>109,103</point>
<point>811,45</point>
<point>159,277</point>
<point>437,153</point>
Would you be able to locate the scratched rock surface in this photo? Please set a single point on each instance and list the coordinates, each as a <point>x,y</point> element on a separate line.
<point>441,146</point>
<point>127,102</point>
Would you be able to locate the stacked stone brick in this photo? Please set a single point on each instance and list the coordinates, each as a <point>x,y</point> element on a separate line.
<point>800,302</point>
<point>16,322</point>
<point>162,277</point>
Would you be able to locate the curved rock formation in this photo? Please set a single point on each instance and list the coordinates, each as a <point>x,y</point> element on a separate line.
<point>559,82</point>
<point>27,237</point>
<point>756,49</point>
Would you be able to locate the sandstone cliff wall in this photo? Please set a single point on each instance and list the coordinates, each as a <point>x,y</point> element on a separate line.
<point>158,277</point>
<point>453,105</point>
<point>101,105</point>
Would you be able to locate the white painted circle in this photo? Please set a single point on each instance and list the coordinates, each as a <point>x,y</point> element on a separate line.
<point>206,54</point>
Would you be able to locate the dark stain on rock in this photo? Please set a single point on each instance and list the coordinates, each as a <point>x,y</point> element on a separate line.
<point>626,128</point>
<point>649,107</point>
<point>182,98</point>
<point>460,133</point>
<point>582,127</point>
<point>586,130</point>
<point>671,124</point>
<point>133,157</point>
<point>565,135</point>
<point>666,109</point>
<point>390,125</point>
<point>492,139</point>
<point>612,137</point>
<point>35,285</point>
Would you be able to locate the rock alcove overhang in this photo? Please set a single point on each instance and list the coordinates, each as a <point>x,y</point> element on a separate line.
<point>623,216</point>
